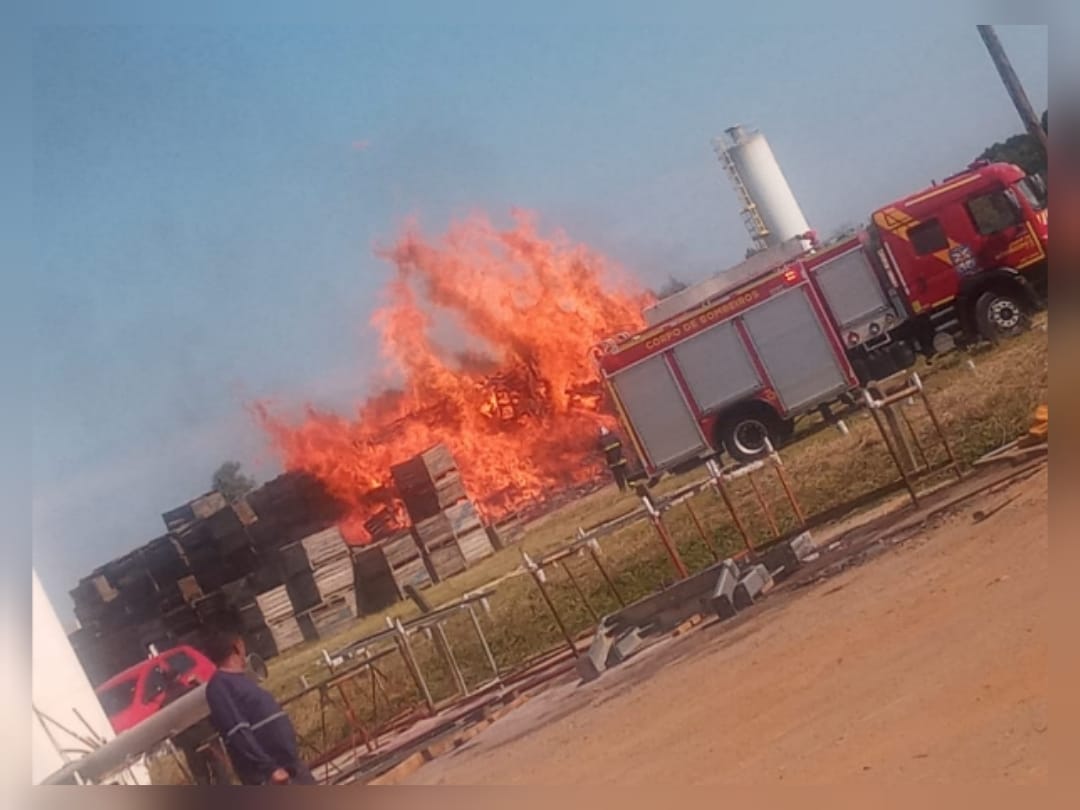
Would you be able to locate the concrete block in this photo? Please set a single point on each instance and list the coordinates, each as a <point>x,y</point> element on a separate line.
<point>722,600</point>
<point>754,583</point>
<point>784,559</point>
<point>594,662</point>
<point>664,611</point>
<point>803,546</point>
<point>628,644</point>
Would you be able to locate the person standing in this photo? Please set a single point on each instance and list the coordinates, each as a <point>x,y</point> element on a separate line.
<point>256,731</point>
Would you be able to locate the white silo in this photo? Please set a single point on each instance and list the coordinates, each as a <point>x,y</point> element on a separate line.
<point>66,716</point>
<point>770,211</point>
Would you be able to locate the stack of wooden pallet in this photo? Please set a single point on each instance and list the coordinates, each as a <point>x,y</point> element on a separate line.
<point>446,526</point>
<point>291,507</point>
<point>276,610</point>
<point>331,566</point>
<point>318,594</point>
<point>404,559</point>
<point>207,569</point>
<point>377,582</point>
<point>212,534</point>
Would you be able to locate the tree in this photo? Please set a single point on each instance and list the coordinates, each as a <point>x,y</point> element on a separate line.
<point>1021,149</point>
<point>230,482</point>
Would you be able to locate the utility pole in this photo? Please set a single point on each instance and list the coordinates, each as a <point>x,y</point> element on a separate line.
<point>1012,85</point>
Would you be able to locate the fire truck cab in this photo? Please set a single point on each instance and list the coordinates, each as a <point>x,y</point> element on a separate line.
<point>969,254</point>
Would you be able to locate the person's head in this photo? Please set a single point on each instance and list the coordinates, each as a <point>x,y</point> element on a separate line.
<point>225,645</point>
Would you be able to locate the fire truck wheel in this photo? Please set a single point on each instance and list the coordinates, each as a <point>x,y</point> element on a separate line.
<point>999,314</point>
<point>745,434</point>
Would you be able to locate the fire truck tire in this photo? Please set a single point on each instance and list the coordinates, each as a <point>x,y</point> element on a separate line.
<point>1000,313</point>
<point>743,433</point>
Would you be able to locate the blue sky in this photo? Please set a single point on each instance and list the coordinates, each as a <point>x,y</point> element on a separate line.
<point>204,214</point>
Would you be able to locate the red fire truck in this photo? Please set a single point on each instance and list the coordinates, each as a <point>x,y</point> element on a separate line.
<point>739,362</point>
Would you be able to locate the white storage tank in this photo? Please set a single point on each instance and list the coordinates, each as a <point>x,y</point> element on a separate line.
<point>752,159</point>
<point>65,707</point>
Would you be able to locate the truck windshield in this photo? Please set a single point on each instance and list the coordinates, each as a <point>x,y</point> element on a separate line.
<point>1034,191</point>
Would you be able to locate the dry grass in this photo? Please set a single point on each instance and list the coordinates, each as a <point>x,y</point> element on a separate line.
<point>979,410</point>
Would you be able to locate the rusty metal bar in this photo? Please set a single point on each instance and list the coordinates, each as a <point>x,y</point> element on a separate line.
<point>402,639</point>
<point>354,722</point>
<point>666,539</point>
<point>718,481</point>
<point>937,426</point>
<point>442,644</point>
<point>578,588</point>
<point>873,407</point>
<point>604,573</point>
<point>537,573</point>
<point>764,506</point>
<point>918,445</point>
<point>781,473</point>
<point>701,531</point>
<point>483,641</point>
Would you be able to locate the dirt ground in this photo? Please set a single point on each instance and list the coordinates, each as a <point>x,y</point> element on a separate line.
<point>927,663</point>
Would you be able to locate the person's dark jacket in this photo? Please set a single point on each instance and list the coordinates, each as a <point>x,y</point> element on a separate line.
<point>256,731</point>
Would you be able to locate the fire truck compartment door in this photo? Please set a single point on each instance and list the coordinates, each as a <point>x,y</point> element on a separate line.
<point>716,367</point>
<point>658,412</point>
<point>795,349</point>
<point>850,288</point>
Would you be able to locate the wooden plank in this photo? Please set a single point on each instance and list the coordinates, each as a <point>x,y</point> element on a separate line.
<point>275,604</point>
<point>334,577</point>
<point>401,548</point>
<point>286,633</point>
<point>413,573</point>
<point>447,560</point>
<point>435,530</point>
<point>463,518</point>
<point>476,545</point>
<point>438,461</point>
<point>325,546</point>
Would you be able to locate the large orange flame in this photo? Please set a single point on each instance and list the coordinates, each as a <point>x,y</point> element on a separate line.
<point>516,400</point>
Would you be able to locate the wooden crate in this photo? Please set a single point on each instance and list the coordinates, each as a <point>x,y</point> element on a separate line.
<point>449,490</point>
<point>303,592</point>
<point>374,582</point>
<point>245,512</point>
<point>286,633</point>
<point>463,518</point>
<point>293,560</point>
<point>421,505</point>
<point>435,531</point>
<point>189,588</point>
<point>275,604</point>
<point>400,548</point>
<point>199,509</point>
<point>334,576</point>
<point>325,547</point>
<point>414,572</point>
<point>475,546</point>
<point>332,616</point>
<point>508,532</point>
<point>446,561</point>
<point>223,523</point>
